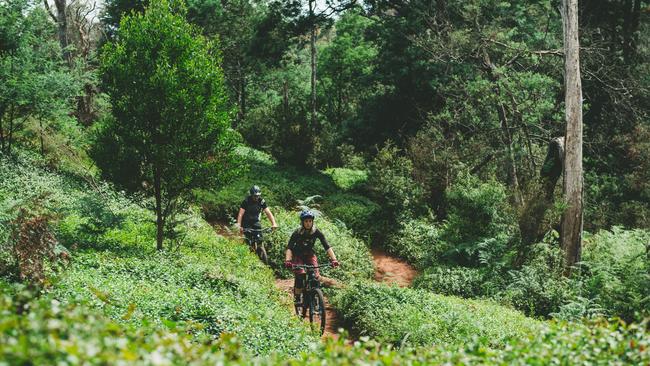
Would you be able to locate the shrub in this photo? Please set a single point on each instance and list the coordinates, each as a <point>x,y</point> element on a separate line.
<point>390,181</point>
<point>416,240</point>
<point>43,331</point>
<point>34,245</point>
<point>615,272</point>
<point>597,343</point>
<point>479,223</point>
<point>453,281</point>
<point>417,317</point>
<point>347,179</point>
<point>356,212</point>
<point>539,287</point>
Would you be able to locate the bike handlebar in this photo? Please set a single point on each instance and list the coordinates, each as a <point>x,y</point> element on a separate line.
<point>265,230</point>
<point>306,266</point>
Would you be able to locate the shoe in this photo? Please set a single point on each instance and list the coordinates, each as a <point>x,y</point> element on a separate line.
<point>297,299</point>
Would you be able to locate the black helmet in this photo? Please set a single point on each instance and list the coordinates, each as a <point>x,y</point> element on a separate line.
<point>255,191</point>
<point>306,214</point>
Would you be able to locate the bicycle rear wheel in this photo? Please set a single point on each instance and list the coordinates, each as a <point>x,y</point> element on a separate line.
<point>317,309</point>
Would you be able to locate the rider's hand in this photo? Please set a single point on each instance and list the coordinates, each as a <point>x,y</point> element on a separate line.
<point>335,263</point>
<point>288,264</point>
<point>274,227</point>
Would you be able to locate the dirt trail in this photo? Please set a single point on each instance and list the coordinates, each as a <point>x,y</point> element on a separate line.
<point>389,269</point>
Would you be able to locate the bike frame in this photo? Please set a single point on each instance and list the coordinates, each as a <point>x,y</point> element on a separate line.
<point>257,237</point>
<point>311,292</point>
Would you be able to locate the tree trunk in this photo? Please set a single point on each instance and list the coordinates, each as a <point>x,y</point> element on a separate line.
<point>61,20</point>
<point>507,139</point>
<point>312,44</point>
<point>572,220</point>
<point>243,95</point>
<point>285,100</point>
<point>512,163</point>
<point>159,212</point>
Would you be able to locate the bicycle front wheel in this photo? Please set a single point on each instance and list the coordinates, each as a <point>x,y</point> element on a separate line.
<point>317,313</point>
<point>261,252</point>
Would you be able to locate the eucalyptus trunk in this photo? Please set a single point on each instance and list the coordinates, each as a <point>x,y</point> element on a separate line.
<point>572,218</point>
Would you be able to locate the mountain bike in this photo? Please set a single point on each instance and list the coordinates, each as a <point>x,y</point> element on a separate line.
<point>312,300</point>
<point>256,242</point>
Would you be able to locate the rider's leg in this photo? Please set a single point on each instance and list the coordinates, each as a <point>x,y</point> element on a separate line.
<point>248,238</point>
<point>298,284</point>
<point>299,278</point>
<point>312,261</point>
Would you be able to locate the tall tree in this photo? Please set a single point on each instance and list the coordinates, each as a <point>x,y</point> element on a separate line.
<point>170,108</point>
<point>310,18</point>
<point>571,230</point>
<point>34,82</point>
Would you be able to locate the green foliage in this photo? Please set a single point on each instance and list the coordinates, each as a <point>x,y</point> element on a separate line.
<point>405,316</point>
<point>206,281</point>
<point>615,272</point>
<point>452,281</point>
<point>417,240</point>
<point>539,287</point>
<point>347,179</point>
<point>556,343</point>
<point>171,117</point>
<point>46,331</point>
<point>34,82</point>
<point>390,180</point>
<point>356,262</point>
<point>479,223</point>
<point>212,282</point>
<point>357,213</point>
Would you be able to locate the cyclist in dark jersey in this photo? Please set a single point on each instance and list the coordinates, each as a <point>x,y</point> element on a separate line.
<point>300,249</point>
<point>250,210</point>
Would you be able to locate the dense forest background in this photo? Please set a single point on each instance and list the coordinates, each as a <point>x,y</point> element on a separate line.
<point>433,129</point>
<point>450,88</point>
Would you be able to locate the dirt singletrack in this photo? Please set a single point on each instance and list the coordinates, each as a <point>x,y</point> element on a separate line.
<point>392,270</point>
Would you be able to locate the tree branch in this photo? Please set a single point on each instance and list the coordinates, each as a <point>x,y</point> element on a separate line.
<point>49,11</point>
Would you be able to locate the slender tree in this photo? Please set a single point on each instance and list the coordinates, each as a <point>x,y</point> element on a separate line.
<point>572,221</point>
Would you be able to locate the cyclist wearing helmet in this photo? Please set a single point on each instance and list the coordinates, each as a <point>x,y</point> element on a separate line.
<point>300,249</point>
<point>250,210</point>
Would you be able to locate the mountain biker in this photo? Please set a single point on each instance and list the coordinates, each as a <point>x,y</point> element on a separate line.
<point>249,212</point>
<point>300,250</point>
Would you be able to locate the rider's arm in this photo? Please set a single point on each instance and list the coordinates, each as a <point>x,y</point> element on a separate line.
<point>270,216</point>
<point>326,245</point>
<point>239,217</point>
<point>330,253</point>
<point>288,254</point>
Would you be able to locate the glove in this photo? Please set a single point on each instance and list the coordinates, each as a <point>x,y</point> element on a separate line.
<point>288,264</point>
<point>335,263</point>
